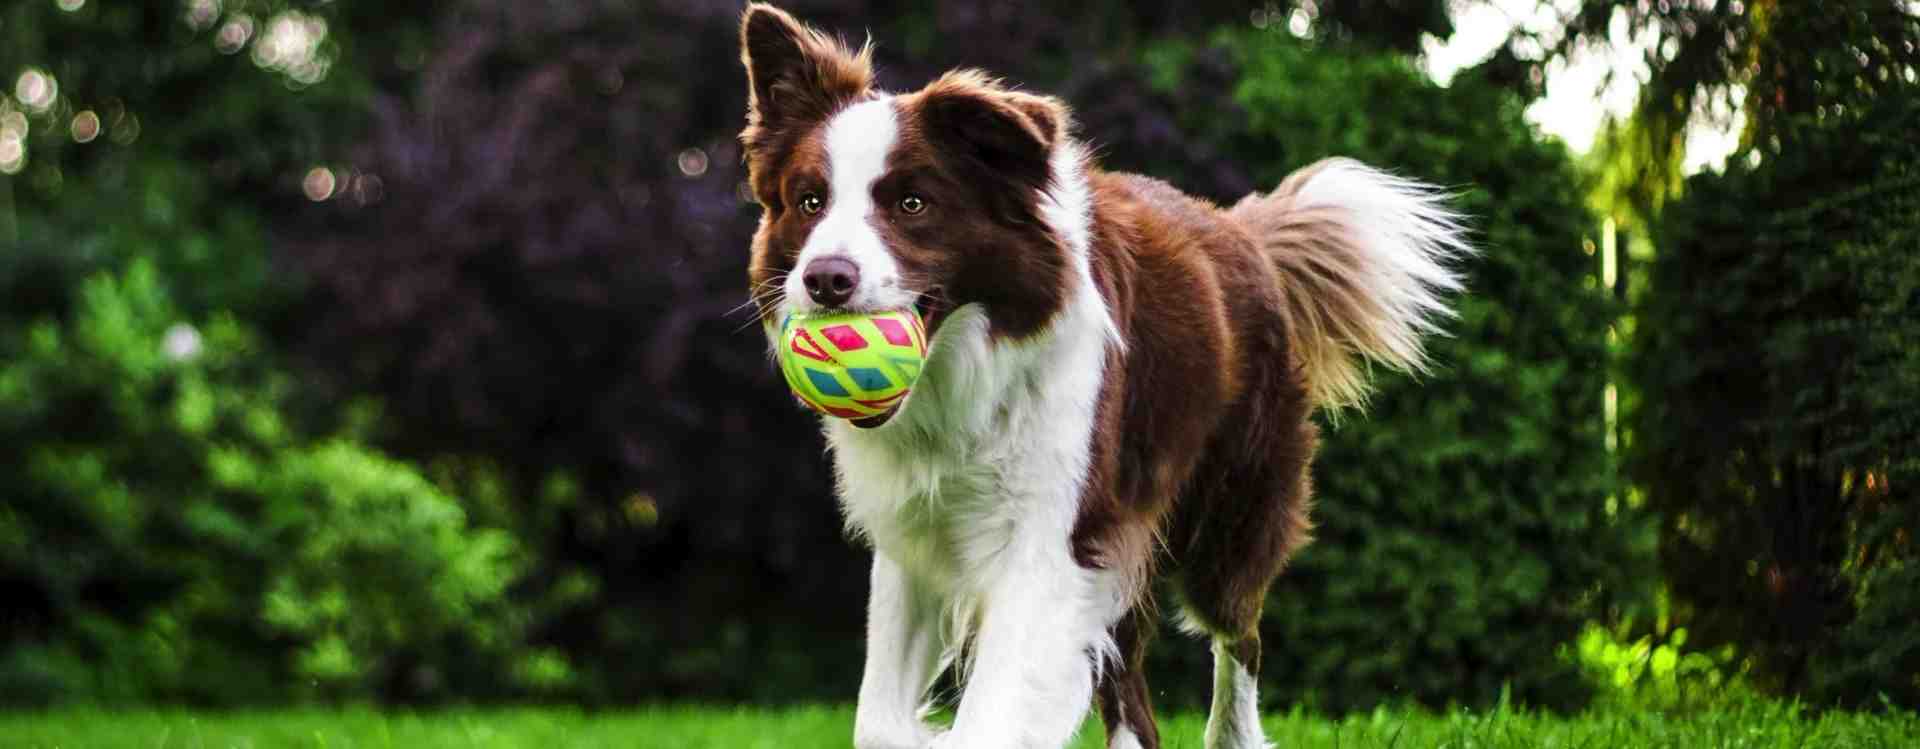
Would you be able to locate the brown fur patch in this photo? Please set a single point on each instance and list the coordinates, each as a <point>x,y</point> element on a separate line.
<point>1203,438</point>
<point>1125,701</point>
<point>1164,397</point>
<point>972,117</point>
<point>979,160</point>
<point>796,78</point>
<point>782,233</point>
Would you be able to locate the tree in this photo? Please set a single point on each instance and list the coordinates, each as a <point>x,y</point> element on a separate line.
<point>1772,61</point>
<point>1776,430</point>
<point>1753,367</point>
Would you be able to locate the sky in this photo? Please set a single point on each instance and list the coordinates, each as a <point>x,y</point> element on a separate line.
<point>1579,96</point>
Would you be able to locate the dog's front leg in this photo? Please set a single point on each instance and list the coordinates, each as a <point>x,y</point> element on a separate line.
<point>1032,669</point>
<point>903,656</point>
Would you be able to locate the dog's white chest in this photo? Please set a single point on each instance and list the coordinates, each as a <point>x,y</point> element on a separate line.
<point>935,521</point>
<point>991,449</point>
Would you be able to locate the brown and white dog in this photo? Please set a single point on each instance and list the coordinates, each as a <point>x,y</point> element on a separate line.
<point>1118,388</point>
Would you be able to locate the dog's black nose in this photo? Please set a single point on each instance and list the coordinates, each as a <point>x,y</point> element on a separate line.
<point>831,280</point>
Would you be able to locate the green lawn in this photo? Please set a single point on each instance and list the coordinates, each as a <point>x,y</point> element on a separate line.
<point>689,728</point>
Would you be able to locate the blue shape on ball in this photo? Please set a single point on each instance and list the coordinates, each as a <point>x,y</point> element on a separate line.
<point>826,384</point>
<point>869,379</point>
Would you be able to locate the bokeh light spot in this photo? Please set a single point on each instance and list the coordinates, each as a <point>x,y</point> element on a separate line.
<point>13,141</point>
<point>642,510</point>
<point>1300,23</point>
<point>85,127</point>
<point>202,13</point>
<point>291,45</point>
<point>126,129</point>
<point>36,89</point>
<point>319,184</point>
<point>182,343</point>
<point>13,155</point>
<point>693,162</point>
<point>70,5</point>
<point>233,35</point>
<point>13,125</point>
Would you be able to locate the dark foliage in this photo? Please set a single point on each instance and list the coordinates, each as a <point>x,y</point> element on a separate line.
<point>1778,432</point>
<point>178,113</point>
<point>130,570</point>
<point>1396,25</point>
<point>180,539</point>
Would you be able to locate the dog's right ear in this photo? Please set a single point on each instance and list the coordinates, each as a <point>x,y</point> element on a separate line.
<point>795,75</point>
<point>1007,133</point>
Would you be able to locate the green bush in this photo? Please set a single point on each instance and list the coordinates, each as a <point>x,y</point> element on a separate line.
<point>170,534</point>
<point>1777,359</point>
<point>1465,528</point>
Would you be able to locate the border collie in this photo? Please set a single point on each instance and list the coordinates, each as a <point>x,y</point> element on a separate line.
<point>1118,390</point>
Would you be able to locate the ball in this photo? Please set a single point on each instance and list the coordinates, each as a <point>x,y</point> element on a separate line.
<point>852,365</point>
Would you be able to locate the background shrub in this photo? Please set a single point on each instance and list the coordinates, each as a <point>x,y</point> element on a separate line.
<point>1776,430</point>
<point>173,536</point>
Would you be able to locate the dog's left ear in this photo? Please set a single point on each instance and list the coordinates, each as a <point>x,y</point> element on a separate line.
<point>795,75</point>
<point>1009,133</point>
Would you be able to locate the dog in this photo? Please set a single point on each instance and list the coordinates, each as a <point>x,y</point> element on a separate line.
<point>1118,390</point>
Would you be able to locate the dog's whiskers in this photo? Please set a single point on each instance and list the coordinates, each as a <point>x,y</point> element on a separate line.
<point>763,296</point>
<point>760,306</point>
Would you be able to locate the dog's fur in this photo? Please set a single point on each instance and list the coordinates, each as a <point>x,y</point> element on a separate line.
<point>1119,383</point>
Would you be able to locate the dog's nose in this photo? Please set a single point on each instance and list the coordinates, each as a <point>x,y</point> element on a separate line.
<point>831,280</point>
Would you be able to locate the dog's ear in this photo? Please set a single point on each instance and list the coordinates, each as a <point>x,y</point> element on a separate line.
<point>1008,133</point>
<point>795,74</point>
<point>1048,115</point>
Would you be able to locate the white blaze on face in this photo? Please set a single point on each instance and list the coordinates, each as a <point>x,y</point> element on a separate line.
<point>858,141</point>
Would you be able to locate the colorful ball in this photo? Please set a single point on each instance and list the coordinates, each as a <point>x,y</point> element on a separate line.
<point>852,365</point>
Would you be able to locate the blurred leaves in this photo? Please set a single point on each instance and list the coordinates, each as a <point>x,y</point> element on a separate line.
<point>1762,63</point>
<point>165,521</point>
<point>1776,429</point>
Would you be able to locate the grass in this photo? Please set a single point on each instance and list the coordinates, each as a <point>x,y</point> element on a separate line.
<point>1756,726</point>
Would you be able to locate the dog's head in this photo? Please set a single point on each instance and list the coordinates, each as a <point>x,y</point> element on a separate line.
<point>936,199</point>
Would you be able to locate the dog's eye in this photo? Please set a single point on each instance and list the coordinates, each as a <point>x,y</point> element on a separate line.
<point>811,203</point>
<point>913,205</point>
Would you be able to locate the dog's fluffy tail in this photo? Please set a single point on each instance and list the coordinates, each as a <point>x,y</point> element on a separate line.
<point>1365,259</point>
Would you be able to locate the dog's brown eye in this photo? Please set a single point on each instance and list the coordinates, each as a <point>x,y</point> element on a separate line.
<point>912,205</point>
<point>811,203</point>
